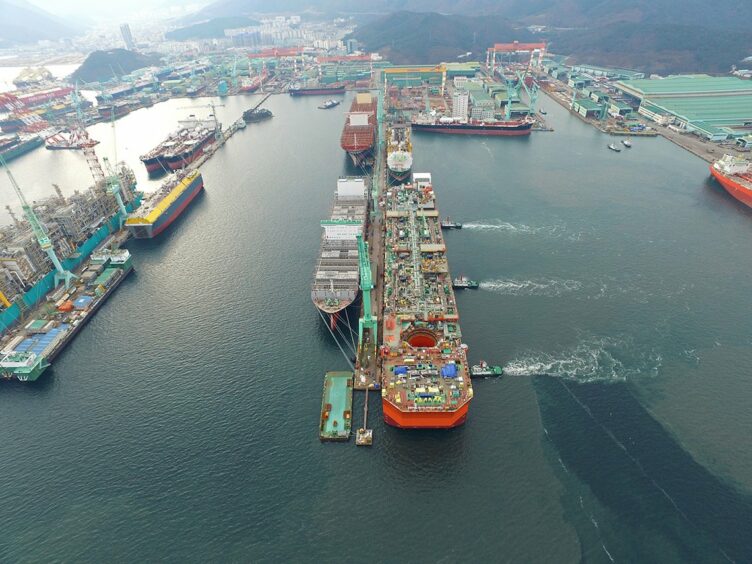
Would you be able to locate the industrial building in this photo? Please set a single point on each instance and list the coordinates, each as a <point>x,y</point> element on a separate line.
<point>716,108</point>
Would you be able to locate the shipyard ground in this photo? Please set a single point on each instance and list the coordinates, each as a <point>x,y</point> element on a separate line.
<point>706,150</point>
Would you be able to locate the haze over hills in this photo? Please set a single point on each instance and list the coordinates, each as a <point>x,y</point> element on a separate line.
<point>652,35</point>
<point>23,22</point>
<point>562,13</point>
<point>440,37</point>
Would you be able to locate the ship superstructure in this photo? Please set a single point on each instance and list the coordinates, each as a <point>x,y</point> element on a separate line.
<point>336,276</point>
<point>424,372</point>
<point>399,151</point>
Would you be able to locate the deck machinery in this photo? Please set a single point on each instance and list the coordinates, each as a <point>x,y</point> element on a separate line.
<point>424,373</point>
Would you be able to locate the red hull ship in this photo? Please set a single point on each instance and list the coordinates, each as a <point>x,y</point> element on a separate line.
<point>359,133</point>
<point>735,175</point>
<point>252,84</point>
<point>425,375</point>
<point>181,147</point>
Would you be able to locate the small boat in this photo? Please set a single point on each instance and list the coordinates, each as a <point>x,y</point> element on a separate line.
<point>614,148</point>
<point>543,112</point>
<point>463,282</point>
<point>483,369</point>
<point>447,223</point>
<point>627,143</point>
<point>329,104</point>
<point>240,124</point>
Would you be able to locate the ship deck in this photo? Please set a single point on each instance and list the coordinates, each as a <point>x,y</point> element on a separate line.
<point>424,363</point>
<point>336,275</point>
<point>152,201</point>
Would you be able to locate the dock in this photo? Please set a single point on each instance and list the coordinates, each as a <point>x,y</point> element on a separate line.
<point>336,407</point>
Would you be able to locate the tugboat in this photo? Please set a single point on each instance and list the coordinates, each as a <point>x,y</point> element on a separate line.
<point>255,115</point>
<point>627,143</point>
<point>483,370</point>
<point>463,282</point>
<point>447,223</point>
<point>240,124</point>
<point>543,112</point>
<point>329,104</point>
<point>614,148</point>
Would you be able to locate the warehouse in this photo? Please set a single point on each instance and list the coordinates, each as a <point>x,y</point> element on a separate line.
<point>716,108</point>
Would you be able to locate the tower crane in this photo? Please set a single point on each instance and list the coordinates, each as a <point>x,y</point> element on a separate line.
<point>61,274</point>
<point>87,147</point>
<point>532,93</point>
<point>115,187</point>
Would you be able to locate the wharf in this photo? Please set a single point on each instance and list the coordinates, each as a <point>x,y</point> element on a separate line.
<point>336,407</point>
<point>53,324</point>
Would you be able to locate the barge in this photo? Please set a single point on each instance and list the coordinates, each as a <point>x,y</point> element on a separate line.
<point>336,407</point>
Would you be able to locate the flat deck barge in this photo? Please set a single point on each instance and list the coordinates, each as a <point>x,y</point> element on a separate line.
<point>336,407</point>
<point>424,371</point>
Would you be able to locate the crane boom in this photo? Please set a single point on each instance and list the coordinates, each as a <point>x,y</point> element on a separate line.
<point>368,321</point>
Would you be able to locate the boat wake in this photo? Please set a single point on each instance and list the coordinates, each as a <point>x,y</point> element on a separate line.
<point>498,225</point>
<point>597,359</point>
<point>541,287</point>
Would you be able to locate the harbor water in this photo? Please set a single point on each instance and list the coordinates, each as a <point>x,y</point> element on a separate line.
<point>182,423</point>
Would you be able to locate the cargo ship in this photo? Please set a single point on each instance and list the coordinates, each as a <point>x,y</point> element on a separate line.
<point>317,90</point>
<point>424,369</point>
<point>30,350</point>
<point>399,152</point>
<point>359,134</point>
<point>160,209</point>
<point>336,277</point>
<point>452,126</point>
<point>735,175</point>
<point>181,147</point>
<point>250,85</point>
<point>13,146</point>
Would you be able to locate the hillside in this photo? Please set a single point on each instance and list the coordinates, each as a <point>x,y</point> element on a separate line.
<point>100,66</point>
<point>210,29</point>
<point>659,48</point>
<point>25,23</point>
<point>561,13</point>
<point>441,37</point>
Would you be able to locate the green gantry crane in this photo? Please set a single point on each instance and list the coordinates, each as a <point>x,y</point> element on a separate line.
<point>368,321</point>
<point>61,274</point>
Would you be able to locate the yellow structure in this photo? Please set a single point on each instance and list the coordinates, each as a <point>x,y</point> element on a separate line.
<point>4,300</point>
<point>419,70</point>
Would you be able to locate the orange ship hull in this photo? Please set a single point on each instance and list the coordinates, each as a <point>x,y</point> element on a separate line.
<point>423,419</point>
<point>736,189</point>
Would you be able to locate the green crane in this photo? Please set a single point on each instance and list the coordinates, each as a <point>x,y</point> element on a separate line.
<point>115,187</point>
<point>61,274</point>
<point>532,93</point>
<point>368,321</point>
